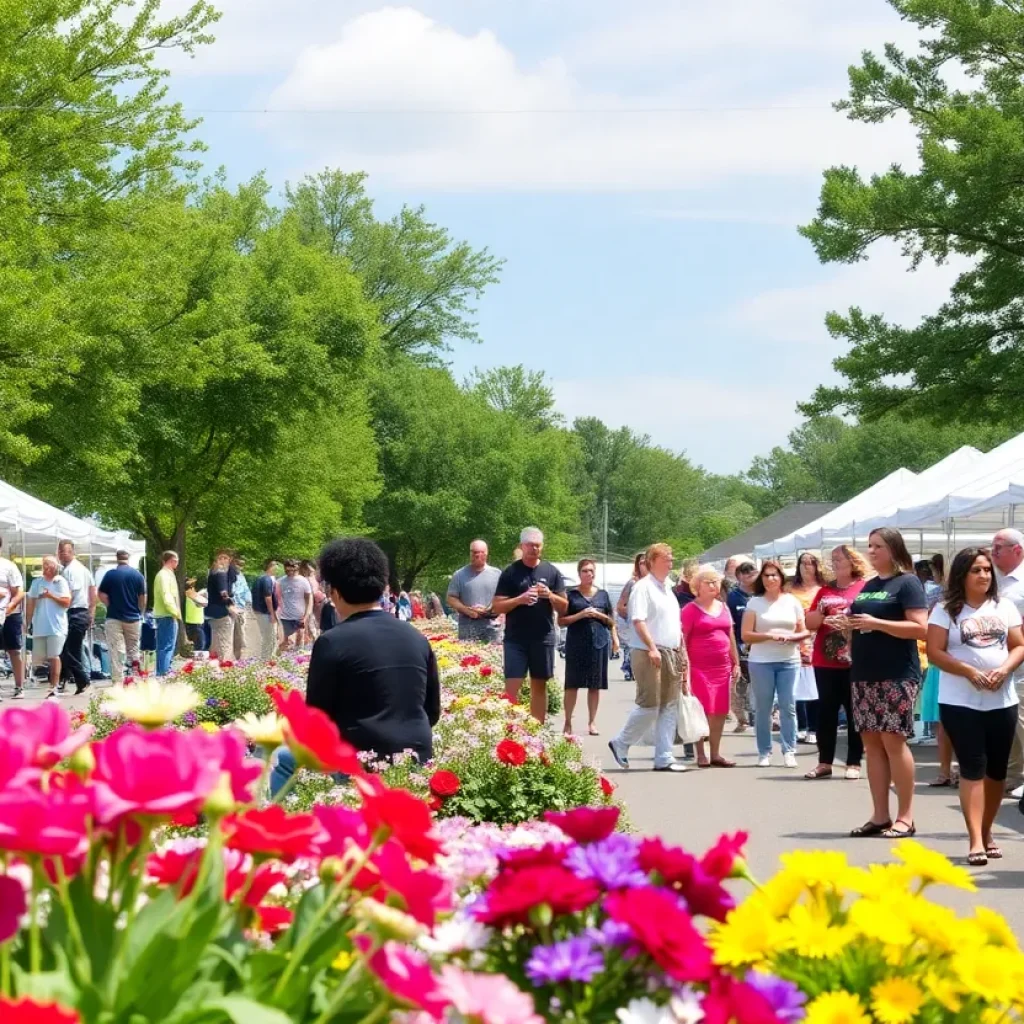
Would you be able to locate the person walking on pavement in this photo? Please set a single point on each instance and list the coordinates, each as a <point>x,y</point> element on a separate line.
<point>220,609</point>
<point>123,593</point>
<point>659,664</point>
<point>12,594</point>
<point>470,594</point>
<point>296,603</point>
<point>81,612</point>
<point>530,592</point>
<point>48,600</point>
<point>1008,556</point>
<point>242,597</point>
<point>166,611</point>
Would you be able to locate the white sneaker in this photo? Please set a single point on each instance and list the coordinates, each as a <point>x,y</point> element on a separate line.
<point>789,760</point>
<point>1017,793</point>
<point>764,762</point>
<point>801,737</point>
<point>812,738</point>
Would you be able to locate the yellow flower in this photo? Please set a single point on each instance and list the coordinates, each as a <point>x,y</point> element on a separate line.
<point>263,730</point>
<point>445,662</point>
<point>779,894</point>
<point>875,919</point>
<point>343,961</point>
<point>210,727</point>
<point>816,868</point>
<point>878,880</point>
<point>990,972</point>
<point>837,1008</point>
<point>812,934</point>
<point>152,703</point>
<point>896,1000</point>
<point>994,925</point>
<point>748,935</point>
<point>932,867</point>
<point>944,991</point>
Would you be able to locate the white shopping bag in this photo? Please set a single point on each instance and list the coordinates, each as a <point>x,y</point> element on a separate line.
<point>691,722</point>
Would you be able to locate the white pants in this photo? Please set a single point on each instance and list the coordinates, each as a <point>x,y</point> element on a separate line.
<point>268,636</point>
<point>239,637</point>
<point>222,632</point>
<point>123,641</point>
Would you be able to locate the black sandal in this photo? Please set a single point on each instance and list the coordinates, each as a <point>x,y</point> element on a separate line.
<point>993,852</point>
<point>907,832</point>
<point>978,859</point>
<point>871,828</point>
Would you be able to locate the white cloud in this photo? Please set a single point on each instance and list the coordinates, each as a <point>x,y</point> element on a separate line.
<point>397,58</point>
<point>708,420</point>
<point>881,284</point>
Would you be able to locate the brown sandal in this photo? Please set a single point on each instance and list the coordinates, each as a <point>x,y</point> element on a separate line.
<point>721,762</point>
<point>819,772</point>
<point>871,828</point>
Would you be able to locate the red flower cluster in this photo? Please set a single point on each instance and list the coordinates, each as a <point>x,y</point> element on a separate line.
<point>586,824</point>
<point>675,868</point>
<point>444,784</point>
<point>471,661</point>
<point>272,832</point>
<point>397,814</point>
<point>312,736</point>
<point>518,890</point>
<point>486,670</point>
<point>510,752</point>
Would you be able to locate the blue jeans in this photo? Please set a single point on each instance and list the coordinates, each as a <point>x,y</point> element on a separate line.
<point>285,767</point>
<point>771,680</point>
<point>166,641</point>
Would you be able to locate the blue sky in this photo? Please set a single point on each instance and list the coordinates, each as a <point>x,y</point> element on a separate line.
<point>640,166</point>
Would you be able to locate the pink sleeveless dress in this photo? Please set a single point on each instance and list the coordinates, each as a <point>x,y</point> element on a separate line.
<point>708,649</point>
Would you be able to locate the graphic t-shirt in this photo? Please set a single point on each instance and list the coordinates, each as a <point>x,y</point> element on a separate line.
<point>877,656</point>
<point>978,637</point>
<point>530,623</point>
<point>832,646</point>
<point>49,618</point>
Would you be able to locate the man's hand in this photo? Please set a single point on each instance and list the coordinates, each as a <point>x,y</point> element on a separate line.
<point>655,656</point>
<point>530,596</point>
<point>542,590</point>
<point>472,613</point>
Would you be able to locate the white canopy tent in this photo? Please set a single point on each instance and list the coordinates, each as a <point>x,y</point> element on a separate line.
<point>31,528</point>
<point>864,504</point>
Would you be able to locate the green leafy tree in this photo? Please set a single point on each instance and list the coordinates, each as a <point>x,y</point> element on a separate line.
<point>524,394</point>
<point>423,282</point>
<point>966,360</point>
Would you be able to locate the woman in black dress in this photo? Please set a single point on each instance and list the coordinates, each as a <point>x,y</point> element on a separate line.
<point>590,636</point>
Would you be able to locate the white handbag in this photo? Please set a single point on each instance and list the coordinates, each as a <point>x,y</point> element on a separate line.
<point>691,722</point>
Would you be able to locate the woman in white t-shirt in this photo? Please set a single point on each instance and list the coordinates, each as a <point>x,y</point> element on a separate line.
<point>773,625</point>
<point>975,640</point>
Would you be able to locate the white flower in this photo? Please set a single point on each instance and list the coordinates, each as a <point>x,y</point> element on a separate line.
<point>686,1006</point>
<point>644,1011</point>
<point>456,935</point>
<point>263,730</point>
<point>152,703</point>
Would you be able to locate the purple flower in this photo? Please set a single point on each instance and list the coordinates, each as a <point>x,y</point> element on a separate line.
<point>786,999</point>
<point>612,862</point>
<point>211,702</point>
<point>574,959</point>
<point>611,933</point>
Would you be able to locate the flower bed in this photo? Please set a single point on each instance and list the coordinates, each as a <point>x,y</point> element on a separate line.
<point>377,912</point>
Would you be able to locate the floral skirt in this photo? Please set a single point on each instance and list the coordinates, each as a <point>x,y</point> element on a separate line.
<point>884,706</point>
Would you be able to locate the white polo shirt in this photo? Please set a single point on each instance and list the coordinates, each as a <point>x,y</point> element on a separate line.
<point>80,580</point>
<point>10,579</point>
<point>654,604</point>
<point>1011,586</point>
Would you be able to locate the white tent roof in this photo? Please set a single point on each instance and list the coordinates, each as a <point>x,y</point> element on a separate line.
<point>32,527</point>
<point>930,484</point>
<point>862,505</point>
<point>979,499</point>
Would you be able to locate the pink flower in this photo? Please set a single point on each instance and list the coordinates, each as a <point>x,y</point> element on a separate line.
<point>585,824</point>
<point>47,728</point>
<point>156,772</point>
<point>227,748</point>
<point>49,824</point>
<point>406,974</point>
<point>15,756</point>
<point>487,998</point>
<point>13,906</point>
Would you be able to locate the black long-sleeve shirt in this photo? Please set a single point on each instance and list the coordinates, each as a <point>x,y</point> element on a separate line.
<point>377,679</point>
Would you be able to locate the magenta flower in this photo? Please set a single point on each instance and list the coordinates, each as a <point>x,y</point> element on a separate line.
<point>13,906</point>
<point>47,729</point>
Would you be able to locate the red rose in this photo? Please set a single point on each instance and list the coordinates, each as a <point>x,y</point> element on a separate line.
<point>725,859</point>
<point>28,1011</point>
<point>486,670</point>
<point>513,894</point>
<point>311,736</point>
<point>704,894</point>
<point>470,661</point>
<point>664,931</point>
<point>273,832</point>
<point>444,784</point>
<point>607,786</point>
<point>187,668</point>
<point>400,815</point>
<point>585,824</point>
<point>510,752</point>
<point>225,663</point>
<point>435,803</point>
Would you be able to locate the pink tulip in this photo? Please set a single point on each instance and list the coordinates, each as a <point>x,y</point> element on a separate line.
<point>406,974</point>
<point>48,730</point>
<point>152,772</point>
<point>226,748</point>
<point>51,824</point>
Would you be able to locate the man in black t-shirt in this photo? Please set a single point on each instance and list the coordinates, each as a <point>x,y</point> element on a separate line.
<point>529,593</point>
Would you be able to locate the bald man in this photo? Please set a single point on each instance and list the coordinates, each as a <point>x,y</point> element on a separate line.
<point>471,592</point>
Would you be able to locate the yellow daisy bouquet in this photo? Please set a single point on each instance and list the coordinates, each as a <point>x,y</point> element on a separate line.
<point>867,945</point>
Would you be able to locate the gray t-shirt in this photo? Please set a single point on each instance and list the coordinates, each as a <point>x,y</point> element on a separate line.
<point>49,619</point>
<point>473,588</point>
<point>293,597</point>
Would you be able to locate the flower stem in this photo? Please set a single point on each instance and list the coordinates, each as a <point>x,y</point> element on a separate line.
<point>74,930</point>
<point>278,797</point>
<point>35,950</point>
<point>337,997</point>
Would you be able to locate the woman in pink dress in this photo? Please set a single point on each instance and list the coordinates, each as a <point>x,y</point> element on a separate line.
<point>714,659</point>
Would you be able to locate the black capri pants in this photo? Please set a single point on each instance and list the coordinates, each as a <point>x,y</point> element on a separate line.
<point>981,739</point>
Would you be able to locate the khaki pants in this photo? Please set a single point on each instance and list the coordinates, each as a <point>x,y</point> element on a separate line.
<point>268,636</point>
<point>656,688</point>
<point>239,636</point>
<point>657,695</point>
<point>1015,770</point>
<point>222,637</point>
<point>123,641</point>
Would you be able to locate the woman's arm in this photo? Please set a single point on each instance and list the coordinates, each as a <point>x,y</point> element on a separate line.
<point>913,627</point>
<point>1015,655</point>
<point>749,632</point>
<point>734,654</point>
<point>939,656</point>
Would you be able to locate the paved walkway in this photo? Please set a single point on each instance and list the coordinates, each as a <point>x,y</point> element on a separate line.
<point>783,811</point>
